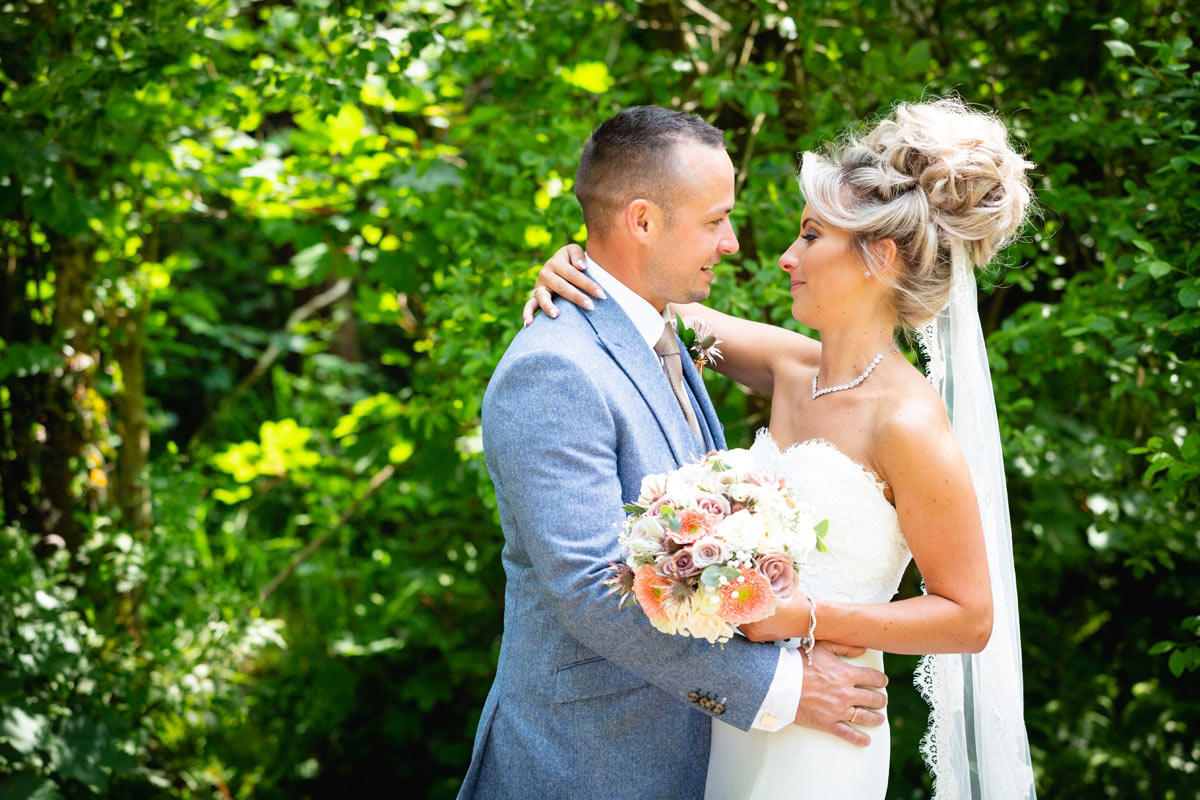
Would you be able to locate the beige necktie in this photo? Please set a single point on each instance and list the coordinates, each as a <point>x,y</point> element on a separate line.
<point>668,350</point>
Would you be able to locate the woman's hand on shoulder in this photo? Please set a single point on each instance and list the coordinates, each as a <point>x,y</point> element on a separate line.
<point>562,275</point>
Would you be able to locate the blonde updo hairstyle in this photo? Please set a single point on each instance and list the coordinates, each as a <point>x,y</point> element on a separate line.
<point>927,174</point>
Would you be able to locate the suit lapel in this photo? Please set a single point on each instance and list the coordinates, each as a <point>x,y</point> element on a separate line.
<point>714,435</point>
<point>620,338</point>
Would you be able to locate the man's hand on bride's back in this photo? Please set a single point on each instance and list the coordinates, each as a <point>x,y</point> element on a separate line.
<point>562,275</point>
<point>835,693</point>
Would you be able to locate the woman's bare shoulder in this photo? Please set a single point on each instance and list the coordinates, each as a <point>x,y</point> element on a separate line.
<point>912,423</point>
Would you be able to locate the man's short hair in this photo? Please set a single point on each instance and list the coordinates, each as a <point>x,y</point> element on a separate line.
<point>633,155</point>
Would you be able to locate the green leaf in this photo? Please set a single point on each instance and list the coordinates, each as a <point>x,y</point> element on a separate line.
<point>1161,648</point>
<point>1119,49</point>
<point>1190,449</point>
<point>23,731</point>
<point>1158,463</point>
<point>632,508</point>
<point>1119,26</point>
<point>1177,663</point>
<point>1158,269</point>
<point>312,261</point>
<point>711,576</point>
<point>1144,86</point>
<point>822,528</point>
<point>29,787</point>
<point>686,334</point>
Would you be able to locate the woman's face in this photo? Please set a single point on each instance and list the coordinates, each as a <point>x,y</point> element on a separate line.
<point>827,275</point>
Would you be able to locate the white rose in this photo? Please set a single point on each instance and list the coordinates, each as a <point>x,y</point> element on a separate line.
<point>681,484</point>
<point>747,493</point>
<point>743,530</point>
<point>704,625</point>
<point>653,487</point>
<point>708,601</point>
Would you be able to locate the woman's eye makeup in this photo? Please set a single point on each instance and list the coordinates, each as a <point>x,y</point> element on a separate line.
<point>808,237</point>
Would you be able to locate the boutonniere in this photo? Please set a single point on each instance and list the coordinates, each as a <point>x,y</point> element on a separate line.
<point>700,341</point>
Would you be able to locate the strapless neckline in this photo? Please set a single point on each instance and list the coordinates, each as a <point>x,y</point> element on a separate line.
<point>879,483</point>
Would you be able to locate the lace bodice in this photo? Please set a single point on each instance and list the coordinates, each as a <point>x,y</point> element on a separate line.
<point>867,553</point>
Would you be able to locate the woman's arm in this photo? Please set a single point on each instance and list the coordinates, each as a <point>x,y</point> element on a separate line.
<point>752,353</point>
<point>918,455</point>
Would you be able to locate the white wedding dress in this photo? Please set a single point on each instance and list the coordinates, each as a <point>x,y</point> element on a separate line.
<point>866,559</point>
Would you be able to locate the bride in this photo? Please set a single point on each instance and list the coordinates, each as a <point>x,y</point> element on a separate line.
<point>895,221</point>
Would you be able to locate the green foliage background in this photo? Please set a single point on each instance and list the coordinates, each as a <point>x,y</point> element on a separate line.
<point>260,258</point>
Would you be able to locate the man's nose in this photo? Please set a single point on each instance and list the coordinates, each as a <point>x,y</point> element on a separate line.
<point>729,243</point>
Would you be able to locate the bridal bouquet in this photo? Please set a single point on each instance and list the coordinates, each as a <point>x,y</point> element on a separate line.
<point>712,545</point>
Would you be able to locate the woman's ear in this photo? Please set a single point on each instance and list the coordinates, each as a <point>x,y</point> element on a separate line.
<point>884,251</point>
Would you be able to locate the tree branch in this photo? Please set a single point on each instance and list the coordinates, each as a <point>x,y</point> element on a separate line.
<point>377,481</point>
<point>273,351</point>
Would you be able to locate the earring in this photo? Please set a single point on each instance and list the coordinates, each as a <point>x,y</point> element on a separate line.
<point>866,273</point>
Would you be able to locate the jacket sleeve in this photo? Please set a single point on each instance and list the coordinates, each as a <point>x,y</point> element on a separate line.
<point>551,443</point>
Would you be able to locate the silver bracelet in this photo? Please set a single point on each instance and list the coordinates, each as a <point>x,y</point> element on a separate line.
<point>809,642</point>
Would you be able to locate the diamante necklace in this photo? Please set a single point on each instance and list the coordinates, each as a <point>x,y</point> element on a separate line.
<point>874,363</point>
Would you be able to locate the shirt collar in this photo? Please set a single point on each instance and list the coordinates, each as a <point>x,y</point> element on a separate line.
<point>648,321</point>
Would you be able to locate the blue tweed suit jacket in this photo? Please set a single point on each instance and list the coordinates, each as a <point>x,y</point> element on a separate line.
<point>590,701</point>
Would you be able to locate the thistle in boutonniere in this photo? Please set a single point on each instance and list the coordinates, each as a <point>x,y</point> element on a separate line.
<point>699,340</point>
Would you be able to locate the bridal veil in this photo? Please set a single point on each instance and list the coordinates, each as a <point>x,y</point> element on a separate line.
<point>976,746</point>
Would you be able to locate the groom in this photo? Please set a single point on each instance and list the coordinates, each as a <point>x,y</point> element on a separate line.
<point>590,700</point>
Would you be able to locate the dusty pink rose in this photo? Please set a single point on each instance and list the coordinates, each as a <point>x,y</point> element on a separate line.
<point>777,568</point>
<point>653,510</point>
<point>709,550</point>
<point>713,504</point>
<point>680,565</point>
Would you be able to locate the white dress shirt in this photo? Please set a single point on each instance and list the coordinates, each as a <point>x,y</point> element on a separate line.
<point>779,706</point>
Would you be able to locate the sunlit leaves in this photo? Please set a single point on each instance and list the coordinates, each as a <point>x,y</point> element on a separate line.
<point>536,237</point>
<point>591,76</point>
<point>233,161</point>
<point>280,450</point>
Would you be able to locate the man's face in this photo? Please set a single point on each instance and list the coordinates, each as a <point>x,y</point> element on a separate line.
<point>698,233</point>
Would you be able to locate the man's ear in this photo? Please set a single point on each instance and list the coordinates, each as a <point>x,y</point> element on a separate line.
<point>640,218</point>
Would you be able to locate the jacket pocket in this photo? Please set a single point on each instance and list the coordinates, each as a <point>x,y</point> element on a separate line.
<point>594,677</point>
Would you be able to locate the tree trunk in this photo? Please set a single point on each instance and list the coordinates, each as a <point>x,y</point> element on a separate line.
<point>62,419</point>
<point>132,484</point>
<point>345,341</point>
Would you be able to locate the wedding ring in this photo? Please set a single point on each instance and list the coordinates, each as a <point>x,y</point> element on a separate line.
<point>853,716</point>
<point>533,292</point>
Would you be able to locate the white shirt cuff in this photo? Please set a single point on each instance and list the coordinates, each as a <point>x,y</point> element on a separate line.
<point>783,698</point>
